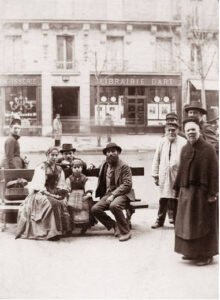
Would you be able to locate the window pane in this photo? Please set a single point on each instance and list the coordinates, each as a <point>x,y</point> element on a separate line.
<point>69,48</point>
<point>60,48</point>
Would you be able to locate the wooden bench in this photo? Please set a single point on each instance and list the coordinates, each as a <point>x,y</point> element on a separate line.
<point>7,175</point>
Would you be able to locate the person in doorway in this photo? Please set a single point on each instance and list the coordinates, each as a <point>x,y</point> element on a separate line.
<point>57,130</point>
<point>67,159</point>
<point>196,185</point>
<point>12,158</point>
<point>195,109</point>
<point>164,170</point>
<point>115,191</point>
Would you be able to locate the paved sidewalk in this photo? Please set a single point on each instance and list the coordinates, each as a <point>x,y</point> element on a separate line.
<point>128,142</point>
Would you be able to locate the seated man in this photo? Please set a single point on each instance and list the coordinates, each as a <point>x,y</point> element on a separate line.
<point>67,159</point>
<point>115,191</point>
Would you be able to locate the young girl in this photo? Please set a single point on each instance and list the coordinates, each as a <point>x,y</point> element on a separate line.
<point>80,198</point>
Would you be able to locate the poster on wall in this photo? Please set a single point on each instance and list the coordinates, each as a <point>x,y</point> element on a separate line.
<point>152,111</point>
<point>164,109</point>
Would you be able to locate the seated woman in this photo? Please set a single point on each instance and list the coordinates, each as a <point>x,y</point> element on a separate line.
<point>44,214</point>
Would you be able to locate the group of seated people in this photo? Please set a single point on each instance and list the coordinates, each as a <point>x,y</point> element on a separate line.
<point>60,196</point>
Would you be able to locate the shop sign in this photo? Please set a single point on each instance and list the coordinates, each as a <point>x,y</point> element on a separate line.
<point>25,80</point>
<point>139,81</point>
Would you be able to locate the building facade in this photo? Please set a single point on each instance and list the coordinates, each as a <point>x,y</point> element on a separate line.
<point>130,60</point>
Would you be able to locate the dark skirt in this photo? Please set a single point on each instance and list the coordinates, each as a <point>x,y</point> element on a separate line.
<point>205,246</point>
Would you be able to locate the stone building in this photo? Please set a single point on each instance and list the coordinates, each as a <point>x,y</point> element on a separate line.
<point>134,60</point>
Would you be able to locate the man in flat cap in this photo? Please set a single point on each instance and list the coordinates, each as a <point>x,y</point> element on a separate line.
<point>195,110</point>
<point>115,191</point>
<point>164,171</point>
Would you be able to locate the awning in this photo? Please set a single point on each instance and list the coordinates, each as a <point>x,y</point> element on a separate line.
<point>210,85</point>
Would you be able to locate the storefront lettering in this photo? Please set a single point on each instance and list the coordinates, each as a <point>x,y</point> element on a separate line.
<point>139,81</point>
<point>22,81</point>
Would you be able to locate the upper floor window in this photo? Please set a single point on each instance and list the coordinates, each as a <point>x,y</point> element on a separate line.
<point>164,54</point>
<point>13,52</point>
<point>65,51</point>
<point>115,53</point>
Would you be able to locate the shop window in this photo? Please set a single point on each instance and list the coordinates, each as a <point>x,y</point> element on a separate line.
<point>21,100</point>
<point>161,101</point>
<point>65,52</point>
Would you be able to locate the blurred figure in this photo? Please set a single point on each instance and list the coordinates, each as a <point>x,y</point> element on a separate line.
<point>173,118</point>
<point>196,185</point>
<point>57,130</point>
<point>213,119</point>
<point>164,170</point>
<point>109,123</point>
<point>195,110</point>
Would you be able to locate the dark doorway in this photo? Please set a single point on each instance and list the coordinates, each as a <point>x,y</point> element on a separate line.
<point>66,103</point>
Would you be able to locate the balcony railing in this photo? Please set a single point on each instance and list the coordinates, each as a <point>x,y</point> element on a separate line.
<point>116,65</point>
<point>67,65</point>
<point>167,66</point>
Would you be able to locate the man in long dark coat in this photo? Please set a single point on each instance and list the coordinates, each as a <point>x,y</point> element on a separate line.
<point>196,228</point>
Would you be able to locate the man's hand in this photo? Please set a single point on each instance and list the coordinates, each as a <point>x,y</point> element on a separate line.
<point>212,199</point>
<point>110,199</point>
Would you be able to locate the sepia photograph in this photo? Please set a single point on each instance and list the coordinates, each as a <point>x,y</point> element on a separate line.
<point>109,149</point>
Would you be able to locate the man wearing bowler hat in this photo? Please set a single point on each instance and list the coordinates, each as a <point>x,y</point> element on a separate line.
<point>67,159</point>
<point>195,110</point>
<point>115,191</point>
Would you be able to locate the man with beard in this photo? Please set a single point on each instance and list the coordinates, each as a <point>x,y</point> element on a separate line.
<point>196,228</point>
<point>115,191</point>
<point>164,170</point>
<point>67,159</point>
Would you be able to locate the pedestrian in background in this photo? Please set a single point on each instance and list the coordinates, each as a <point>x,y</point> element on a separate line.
<point>109,123</point>
<point>196,227</point>
<point>115,191</point>
<point>164,170</point>
<point>213,119</point>
<point>57,130</point>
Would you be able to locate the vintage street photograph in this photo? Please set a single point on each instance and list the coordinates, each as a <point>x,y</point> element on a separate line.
<point>109,149</point>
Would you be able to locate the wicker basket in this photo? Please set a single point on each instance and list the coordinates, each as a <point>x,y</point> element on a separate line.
<point>16,193</point>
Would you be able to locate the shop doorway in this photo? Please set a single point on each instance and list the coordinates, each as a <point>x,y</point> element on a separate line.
<point>66,103</point>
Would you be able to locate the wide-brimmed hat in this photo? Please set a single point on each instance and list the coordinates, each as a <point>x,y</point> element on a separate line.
<point>171,115</point>
<point>67,148</point>
<point>111,145</point>
<point>212,114</point>
<point>195,105</point>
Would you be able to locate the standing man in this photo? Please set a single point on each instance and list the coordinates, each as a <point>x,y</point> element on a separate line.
<point>57,130</point>
<point>12,158</point>
<point>164,171</point>
<point>196,228</point>
<point>115,191</point>
<point>194,109</point>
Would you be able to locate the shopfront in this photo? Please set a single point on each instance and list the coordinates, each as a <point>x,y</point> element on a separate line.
<point>135,101</point>
<point>21,95</point>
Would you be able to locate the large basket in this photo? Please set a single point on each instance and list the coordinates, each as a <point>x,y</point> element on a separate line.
<point>16,193</point>
<point>79,207</point>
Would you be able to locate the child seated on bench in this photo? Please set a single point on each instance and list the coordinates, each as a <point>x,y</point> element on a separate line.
<point>80,197</point>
